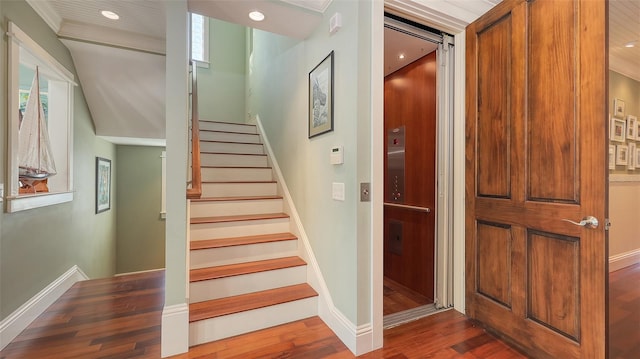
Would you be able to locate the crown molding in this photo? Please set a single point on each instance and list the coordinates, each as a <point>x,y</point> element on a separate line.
<point>47,13</point>
<point>112,37</point>
<point>314,5</point>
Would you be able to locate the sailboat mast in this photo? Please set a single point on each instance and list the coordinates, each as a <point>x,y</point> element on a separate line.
<point>39,112</point>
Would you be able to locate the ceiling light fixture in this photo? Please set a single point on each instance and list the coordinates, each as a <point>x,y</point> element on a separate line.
<point>110,14</point>
<point>401,56</point>
<point>631,43</point>
<point>256,15</point>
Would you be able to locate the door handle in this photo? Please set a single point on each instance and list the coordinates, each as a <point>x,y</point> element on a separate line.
<point>587,222</point>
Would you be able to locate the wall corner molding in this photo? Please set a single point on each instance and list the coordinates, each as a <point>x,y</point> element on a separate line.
<point>20,319</point>
<point>175,330</point>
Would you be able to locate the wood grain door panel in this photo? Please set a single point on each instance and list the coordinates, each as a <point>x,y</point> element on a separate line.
<point>536,137</point>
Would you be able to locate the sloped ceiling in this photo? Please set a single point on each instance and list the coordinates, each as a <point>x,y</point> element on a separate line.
<point>120,64</point>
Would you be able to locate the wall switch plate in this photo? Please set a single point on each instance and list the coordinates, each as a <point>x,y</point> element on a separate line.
<point>365,192</point>
<point>337,191</point>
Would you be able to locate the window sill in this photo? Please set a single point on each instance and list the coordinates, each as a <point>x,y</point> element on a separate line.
<point>25,202</point>
<point>202,64</point>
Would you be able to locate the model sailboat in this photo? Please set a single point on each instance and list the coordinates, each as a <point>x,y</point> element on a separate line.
<point>35,158</point>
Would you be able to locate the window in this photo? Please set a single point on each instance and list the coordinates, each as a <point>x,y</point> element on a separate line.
<point>56,94</point>
<point>200,40</point>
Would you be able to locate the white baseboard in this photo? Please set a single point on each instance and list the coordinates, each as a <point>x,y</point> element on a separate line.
<point>175,330</point>
<point>15,323</point>
<point>359,339</point>
<point>625,259</point>
<point>138,272</point>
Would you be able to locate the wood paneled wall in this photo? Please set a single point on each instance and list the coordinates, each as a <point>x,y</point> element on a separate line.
<point>410,101</point>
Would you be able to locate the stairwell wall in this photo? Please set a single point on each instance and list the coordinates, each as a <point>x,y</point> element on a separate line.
<point>38,245</point>
<point>338,231</point>
<point>221,86</point>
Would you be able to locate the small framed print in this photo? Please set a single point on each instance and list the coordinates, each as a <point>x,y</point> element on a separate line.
<point>618,129</point>
<point>321,97</point>
<point>631,161</point>
<point>618,108</point>
<point>103,184</point>
<point>612,157</point>
<point>622,155</point>
<point>632,127</point>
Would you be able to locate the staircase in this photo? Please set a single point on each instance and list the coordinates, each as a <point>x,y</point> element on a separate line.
<point>245,273</point>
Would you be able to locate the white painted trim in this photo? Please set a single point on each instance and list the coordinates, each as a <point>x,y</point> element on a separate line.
<point>17,321</point>
<point>623,178</point>
<point>45,10</point>
<point>163,194</point>
<point>25,202</point>
<point>459,145</point>
<point>175,330</point>
<point>138,272</point>
<point>625,259</point>
<point>359,339</point>
<point>111,37</point>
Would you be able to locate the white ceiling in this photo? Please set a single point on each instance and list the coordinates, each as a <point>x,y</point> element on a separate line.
<point>119,62</point>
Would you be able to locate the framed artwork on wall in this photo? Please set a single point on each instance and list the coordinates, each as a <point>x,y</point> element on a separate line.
<point>631,161</point>
<point>618,108</point>
<point>321,97</point>
<point>612,157</point>
<point>618,129</point>
<point>622,155</point>
<point>103,184</point>
<point>632,127</point>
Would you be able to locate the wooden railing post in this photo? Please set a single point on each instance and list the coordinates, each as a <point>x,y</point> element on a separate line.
<point>195,190</point>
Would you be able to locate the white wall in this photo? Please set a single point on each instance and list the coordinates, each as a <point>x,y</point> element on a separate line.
<point>338,230</point>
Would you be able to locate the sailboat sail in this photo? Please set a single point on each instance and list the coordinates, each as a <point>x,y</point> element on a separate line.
<point>35,158</point>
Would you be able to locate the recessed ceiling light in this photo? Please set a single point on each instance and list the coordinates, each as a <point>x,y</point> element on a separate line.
<point>631,43</point>
<point>110,14</point>
<point>401,56</point>
<point>256,15</point>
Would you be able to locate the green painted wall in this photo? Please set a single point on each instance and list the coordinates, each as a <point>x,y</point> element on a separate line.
<point>338,231</point>
<point>37,246</point>
<point>140,230</point>
<point>221,87</point>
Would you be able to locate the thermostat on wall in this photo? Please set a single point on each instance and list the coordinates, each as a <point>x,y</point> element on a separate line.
<point>337,155</point>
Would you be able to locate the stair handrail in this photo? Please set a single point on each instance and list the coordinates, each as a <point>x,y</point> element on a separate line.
<point>195,190</point>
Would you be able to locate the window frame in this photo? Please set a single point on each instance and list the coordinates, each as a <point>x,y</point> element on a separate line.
<point>205,41</point>
<point>20,41</point>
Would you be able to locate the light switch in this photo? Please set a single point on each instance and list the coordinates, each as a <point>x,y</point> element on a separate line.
<point>337,191</point>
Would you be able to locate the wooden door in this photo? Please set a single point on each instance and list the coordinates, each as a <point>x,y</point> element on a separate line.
<point>536,144</point>
<point>410,102</point>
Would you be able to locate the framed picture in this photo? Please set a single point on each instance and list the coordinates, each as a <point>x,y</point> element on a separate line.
<point>103,184</point>
<point>618,129</point>
<point>631,162</point>
<point>321,97</point>
<point>618,108</point>
<point>632,127</point>
<point>622,155</point>
<point>612,157</point>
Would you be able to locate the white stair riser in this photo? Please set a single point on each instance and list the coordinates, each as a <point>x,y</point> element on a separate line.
<point>232,208</point>
<point>236,174</point>
<point>203,258</point>
<point>227,127</point>
<point>229,325</point>
<point>226,147</point>
<point>239,228</point>
<point>229,137</point>
<point>248,283</point>
<point>239,189</point>
<point>216,159</point>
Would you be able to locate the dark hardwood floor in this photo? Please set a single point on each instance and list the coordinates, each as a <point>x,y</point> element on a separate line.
<point>120,318</point>
<point>398,298</point>
<point>624,313</point>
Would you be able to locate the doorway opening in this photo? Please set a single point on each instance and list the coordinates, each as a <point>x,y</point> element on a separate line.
<point>418,112</point>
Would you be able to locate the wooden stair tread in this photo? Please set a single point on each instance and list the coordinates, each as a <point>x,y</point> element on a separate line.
<point>240,303</point>
<point>239,241</point>
<point>238,181</point>
<point>244,167</point>
<point>234,142</point>
<point>232,153</point>
<point>230,270</point>
<point>243,198</point>
<point>249,217</point>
